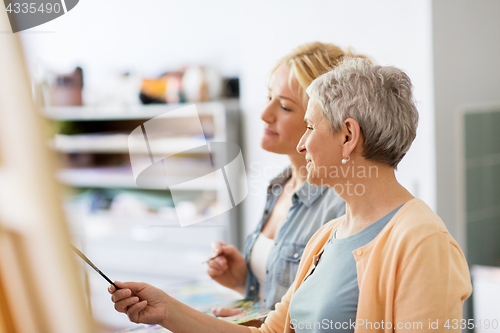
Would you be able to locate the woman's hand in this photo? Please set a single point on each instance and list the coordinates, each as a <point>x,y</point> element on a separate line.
<point>141,302</point>
<point>229,268</point>
<point>146,304</point>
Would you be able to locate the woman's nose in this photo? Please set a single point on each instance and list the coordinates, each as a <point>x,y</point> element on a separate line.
<point>268,113</point>
<point>301,147</point>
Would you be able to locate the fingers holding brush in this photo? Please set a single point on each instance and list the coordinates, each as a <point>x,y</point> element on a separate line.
<point>142,302</point>
<point>124,305</point>
<point>122,298</point>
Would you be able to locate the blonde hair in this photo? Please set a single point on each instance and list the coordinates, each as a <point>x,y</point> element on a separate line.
<point>308,61</point>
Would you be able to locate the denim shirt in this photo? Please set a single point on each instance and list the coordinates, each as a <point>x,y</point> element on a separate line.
<point>312,206</point>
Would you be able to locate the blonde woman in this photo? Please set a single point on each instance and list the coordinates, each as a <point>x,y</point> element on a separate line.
<point>294,209</point>
<point>389,264</point>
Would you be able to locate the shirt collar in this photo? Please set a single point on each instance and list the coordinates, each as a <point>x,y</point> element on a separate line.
<point>307,193</point>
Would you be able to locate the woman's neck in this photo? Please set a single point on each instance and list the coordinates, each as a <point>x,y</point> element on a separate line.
<point>370,199</point>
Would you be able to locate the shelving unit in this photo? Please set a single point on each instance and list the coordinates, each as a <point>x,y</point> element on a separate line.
<point>93,145</point>
<point>131,112</point>
<point>120,178</point>
<point>113,143</point>
<point>92,140</point>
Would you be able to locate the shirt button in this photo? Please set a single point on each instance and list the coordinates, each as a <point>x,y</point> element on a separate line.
<point>296,255</point>
<point>266,211</point>
<point>359,252</point>
<point>267,271</point>
<point>315,259</point>
<point>252,287</point>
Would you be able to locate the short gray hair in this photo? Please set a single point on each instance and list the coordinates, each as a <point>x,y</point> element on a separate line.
<point>379,98</point>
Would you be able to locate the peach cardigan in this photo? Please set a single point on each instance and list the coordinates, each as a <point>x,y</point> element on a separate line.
<point>412,272</point>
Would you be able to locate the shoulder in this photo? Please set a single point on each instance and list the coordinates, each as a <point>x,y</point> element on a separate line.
<point>415,222</point>
<point>416,216</point>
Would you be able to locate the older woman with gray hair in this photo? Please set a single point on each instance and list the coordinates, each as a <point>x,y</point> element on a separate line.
<point>389,264</point>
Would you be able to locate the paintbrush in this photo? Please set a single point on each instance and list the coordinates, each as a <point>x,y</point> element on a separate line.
<point>220,254</point>
<point>81,255</point>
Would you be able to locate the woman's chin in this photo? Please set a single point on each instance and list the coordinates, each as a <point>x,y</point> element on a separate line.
<point>272,148</point>
<point>267,146</point>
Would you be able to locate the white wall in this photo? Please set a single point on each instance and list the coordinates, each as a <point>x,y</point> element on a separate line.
<point>246,38</point>
<point>466,43</point>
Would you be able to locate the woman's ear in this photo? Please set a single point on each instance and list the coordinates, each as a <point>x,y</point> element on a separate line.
<point>351,136</point>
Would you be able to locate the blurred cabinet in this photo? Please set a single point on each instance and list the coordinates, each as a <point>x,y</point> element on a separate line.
<point>127,230</point>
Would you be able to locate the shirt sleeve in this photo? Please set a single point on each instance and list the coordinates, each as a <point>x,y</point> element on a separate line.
<point>276,320</point>
<point>431,286</point>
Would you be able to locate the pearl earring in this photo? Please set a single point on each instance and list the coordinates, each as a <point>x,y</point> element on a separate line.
<point>345,160</point>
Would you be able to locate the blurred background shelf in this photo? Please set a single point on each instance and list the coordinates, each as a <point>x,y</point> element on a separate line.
<point>123,178</point>
<point>117,143</point>
<point>131,112</point>
<point>93,144</point>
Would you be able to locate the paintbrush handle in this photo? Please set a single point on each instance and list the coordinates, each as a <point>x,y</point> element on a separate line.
<point>212,258</point>
<point>81,255</point>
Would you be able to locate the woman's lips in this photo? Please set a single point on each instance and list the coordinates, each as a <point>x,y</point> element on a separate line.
<point>268,132</point>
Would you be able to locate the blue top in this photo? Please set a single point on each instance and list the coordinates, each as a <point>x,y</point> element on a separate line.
<point>312,206</point>
<point>336,302</point>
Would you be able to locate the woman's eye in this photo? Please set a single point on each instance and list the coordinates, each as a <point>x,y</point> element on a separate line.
<point>284,108</point>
